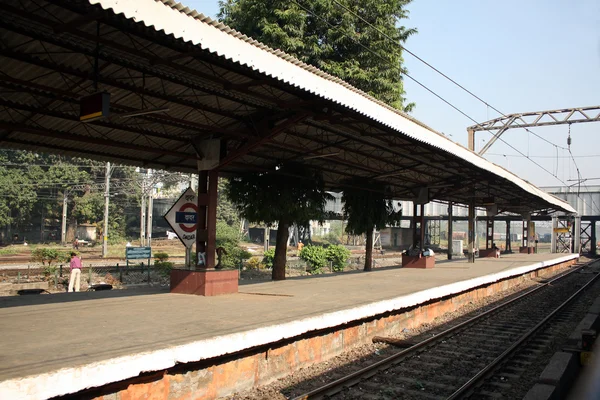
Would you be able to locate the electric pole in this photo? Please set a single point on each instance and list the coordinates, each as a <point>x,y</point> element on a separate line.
<point>143,216</point>
<point>106,195</point>
<point>149,213</point>
<point>63,232</point>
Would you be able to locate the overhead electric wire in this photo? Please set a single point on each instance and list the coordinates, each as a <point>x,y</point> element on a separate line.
<point>425,87</point>
<point>530,156</point>
<point>385,35</point>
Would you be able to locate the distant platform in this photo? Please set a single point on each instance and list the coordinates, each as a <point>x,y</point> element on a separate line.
<point>63,343</point>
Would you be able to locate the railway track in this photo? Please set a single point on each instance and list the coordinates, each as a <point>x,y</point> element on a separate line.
<point>479,358</point>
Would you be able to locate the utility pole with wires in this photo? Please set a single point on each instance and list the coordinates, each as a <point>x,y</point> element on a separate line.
<point>150,189</point>
<point>143,215</point>
<point>106,196</point>
<point>63,231</point>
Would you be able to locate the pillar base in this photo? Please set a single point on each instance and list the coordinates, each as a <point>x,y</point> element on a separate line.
<point>204,282</point>
<point>526,250</point>
<point>417,262</point>
<point>488,253</point>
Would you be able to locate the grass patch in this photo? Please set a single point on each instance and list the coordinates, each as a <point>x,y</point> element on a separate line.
<point>9,251</point>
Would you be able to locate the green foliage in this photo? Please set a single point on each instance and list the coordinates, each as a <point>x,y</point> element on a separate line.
<point>269,258</point>
<point>291,194</point>
<point>8,251</point>
<point>333,38</point>
<point>47,255</point>
<point>228,237</point>
<point>226,210</point>
<point>160,256</point>
<point>315,257</point>
<point>287,195</point>
<point>254,263</point>
<point>367,208</point>
<point>164,267</point>
<point>49,270</point>
<point>338,255</point>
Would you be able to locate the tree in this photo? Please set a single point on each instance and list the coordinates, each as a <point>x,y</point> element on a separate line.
<point>288,195</point>
<point>334,37</point>
<point>367,209</point>
<point>226,210</point>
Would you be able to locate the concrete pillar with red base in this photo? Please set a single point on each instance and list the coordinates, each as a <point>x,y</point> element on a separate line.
<point>471,234</point>
<point>205,279</point>
<point>527,239</point>
<point>491,250</point>
<point>418,225</point>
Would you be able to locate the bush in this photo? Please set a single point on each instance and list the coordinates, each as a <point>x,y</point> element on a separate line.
<point>163,267</point>
<point>228,237</point>
<point>47,255</point>
<point>49,271</point>
<point>338,255</point>
<point>315,257</point>
<point>269,258</point>
<point>160,256</point>
<point>254,263</point>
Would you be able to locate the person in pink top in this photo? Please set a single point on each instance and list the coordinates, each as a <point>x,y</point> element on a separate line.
<point>75,278</point>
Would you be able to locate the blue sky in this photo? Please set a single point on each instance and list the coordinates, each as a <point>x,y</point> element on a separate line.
<point>519,56</point>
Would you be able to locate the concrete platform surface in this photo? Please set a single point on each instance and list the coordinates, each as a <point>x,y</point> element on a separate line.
<point>62,343</point>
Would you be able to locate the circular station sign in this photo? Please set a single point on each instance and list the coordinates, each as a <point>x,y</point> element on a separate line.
<point>189,211</point>
<point>183,217</point>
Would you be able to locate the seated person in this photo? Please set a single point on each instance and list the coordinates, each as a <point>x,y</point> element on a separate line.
<point>496,249</point>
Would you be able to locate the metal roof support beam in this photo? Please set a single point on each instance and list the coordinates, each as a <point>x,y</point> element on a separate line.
<point>111,82</point>
<point>103,156</point>
<point>77,22</point>
<point>97,141</point>
<point>102,123</point>
<point>362,153</point>
<point>267,136</point>
<point>53,93</point>
<point>152,60</point>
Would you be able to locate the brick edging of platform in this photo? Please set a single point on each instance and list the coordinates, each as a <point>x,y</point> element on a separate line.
<point>310,340</point>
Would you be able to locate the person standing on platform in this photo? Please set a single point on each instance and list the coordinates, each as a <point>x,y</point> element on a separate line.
<point>75,277</point>
<point>300,247</point>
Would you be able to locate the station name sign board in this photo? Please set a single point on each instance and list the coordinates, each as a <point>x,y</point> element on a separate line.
<point>136,253</point>
<point>183,217</point>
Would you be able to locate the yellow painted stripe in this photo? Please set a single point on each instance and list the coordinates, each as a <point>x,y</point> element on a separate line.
<point>94,115</point>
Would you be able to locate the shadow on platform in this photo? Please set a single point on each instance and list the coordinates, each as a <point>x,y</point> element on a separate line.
<point>32,300</point>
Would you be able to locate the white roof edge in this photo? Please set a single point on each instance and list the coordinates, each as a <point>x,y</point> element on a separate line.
<point>183,23</point>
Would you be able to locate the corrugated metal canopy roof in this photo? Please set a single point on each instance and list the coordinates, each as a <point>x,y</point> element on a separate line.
<point>266,106</point>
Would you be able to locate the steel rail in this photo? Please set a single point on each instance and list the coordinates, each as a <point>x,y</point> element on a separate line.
<point>367,372</point>
<point>485,371</point>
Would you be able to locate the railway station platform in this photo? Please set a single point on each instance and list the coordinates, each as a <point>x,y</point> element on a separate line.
<point>149,343</point>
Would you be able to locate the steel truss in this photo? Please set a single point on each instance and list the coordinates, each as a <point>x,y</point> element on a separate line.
<point>532,119</point>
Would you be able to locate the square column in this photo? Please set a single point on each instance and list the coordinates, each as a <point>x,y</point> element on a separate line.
<point>471,234</point>
<point>450,230</point>
<point>490,249</point>
<point>417,260</point>
<point>528,239</point>
<point>577,235</point>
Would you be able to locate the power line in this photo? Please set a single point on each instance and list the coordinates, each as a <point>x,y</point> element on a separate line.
<point>553,157</point>
<point>422,85</point>
<point>385,35</point>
